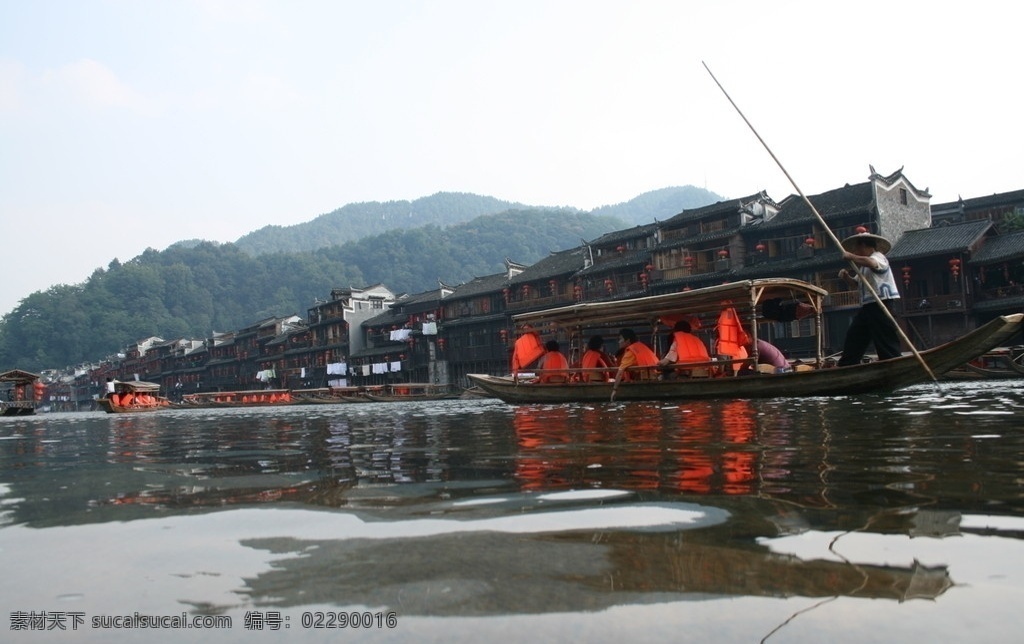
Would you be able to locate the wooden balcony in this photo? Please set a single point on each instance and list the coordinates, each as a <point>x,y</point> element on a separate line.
<point>915,306</point>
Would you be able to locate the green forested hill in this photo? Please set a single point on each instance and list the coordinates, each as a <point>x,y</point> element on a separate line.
<point>357,220</point>
<point>189,290</point>
<point>196,287</point>
<point>659,204</point>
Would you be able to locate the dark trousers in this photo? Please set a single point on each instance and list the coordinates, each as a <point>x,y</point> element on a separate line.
<point>871,324</point>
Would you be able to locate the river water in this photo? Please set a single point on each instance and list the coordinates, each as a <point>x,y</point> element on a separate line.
<point>861,519</point>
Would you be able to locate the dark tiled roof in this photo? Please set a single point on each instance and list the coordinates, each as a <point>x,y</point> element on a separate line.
<point>958,238</point>
<point>790,265</point>
<point>479,285</point>
<point>633,258</point>
<point>616,236</point>
<point>1012,198</point>
<point>279,339</point>
<point>557,264</point>
<point>719,208</point>
<point>420,298</point>
<point>392,351</point>
<point>692,241</point>
<point>387,318</point>
<point>858,199</point>
<point>999,248</point>
<point>474,319</point>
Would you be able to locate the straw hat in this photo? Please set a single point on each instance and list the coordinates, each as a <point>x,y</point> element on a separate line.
<point>882,244</point>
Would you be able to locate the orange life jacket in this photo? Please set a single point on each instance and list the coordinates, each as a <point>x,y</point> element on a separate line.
<point>555,366</point>
<point>645,357</point>
<point>593,360</point>
<point>732,339</point>
<point>689,348</point>
<point>527,349</point>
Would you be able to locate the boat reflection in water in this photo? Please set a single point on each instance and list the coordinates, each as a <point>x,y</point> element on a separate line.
<point>714,452</point>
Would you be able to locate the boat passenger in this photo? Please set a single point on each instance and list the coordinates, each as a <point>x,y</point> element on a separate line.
<point>636,354</point>
<point>527,349</point>
<point>732,339</point>
<point>686,348</point>
<point>871,324</point>
<point>594,358</point>
<point>554,364</point>
<point>768,353</point>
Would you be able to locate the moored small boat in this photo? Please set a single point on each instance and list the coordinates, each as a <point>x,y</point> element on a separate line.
<point>329,395</point>
<point>133,396</point>
<point>412,391</point>
<point>21,393</point>
<point>248,398</point>
<point>998,364</point>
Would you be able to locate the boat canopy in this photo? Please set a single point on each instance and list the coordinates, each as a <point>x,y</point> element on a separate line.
<point>744,295</point>
<point>137,385</point>
<point>18,377</point>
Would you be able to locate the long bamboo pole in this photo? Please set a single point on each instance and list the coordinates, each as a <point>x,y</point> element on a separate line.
<point>824,226</point>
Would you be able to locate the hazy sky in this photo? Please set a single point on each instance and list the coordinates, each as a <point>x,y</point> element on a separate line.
<point>127,124</point>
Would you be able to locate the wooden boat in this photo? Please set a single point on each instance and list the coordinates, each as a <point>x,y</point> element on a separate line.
<point>248,398</point>
<point>21,392</point>
<point>412,391</point>
<point>133,396</point>
<point>812,379</point>
<point>999,364</point>
<point>332,395</point>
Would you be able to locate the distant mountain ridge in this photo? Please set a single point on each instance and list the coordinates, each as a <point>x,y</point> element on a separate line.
<point>358,220</point>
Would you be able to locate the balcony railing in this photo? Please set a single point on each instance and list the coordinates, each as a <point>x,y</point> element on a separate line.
<point>934,304</point>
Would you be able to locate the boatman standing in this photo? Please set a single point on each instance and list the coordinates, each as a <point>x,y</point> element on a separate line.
<point>871,323</point>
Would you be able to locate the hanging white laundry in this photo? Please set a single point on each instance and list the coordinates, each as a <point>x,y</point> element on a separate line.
<point>400,335</point>
<point>396,366</point>
<point>430,328</point>
<point>366,369</point>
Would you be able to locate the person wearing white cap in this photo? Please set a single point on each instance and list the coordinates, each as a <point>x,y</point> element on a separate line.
<point>871,324</point>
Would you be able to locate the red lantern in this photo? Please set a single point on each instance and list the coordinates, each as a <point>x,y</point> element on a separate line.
<point>577,292</point>
<point>554,286</point>
<point>954,267</point>
<point>860,229</point>
<point>440,343</point>
<point>503,334</point>
<point>809,241</point>
<point>526,290</point>
<point>620,248</point>
<point>760,247</point>
<point>906,276</point>
<point>688,261</point>
<point>649,268</point>
<point>609,285</point>
<point>722,254</point>
<point>507,293</point>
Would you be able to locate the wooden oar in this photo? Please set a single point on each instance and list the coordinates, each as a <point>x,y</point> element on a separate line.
<point>821,221</point>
